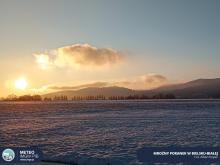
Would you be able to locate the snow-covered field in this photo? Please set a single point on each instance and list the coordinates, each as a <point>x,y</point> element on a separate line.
<point>101,132</point>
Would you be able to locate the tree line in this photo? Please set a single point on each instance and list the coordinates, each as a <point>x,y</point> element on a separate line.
<point>23,98</point>
<point>98,97</point>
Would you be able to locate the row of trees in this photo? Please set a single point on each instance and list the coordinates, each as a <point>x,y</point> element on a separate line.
<point>102,97</point>
<point>137,97</point>
<point>23,98</point>
<point>98,97</point>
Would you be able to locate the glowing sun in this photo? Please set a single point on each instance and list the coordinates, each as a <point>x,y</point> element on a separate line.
<point>21,84</point>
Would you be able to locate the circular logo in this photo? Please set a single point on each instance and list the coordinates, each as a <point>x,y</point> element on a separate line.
<point>8,155</point>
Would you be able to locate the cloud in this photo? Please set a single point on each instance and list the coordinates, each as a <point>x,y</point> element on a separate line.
<point>148,81</point>
<point>95,84</point>
<point>154,78</point>
<point>143,82</point>
<point>79,55</point>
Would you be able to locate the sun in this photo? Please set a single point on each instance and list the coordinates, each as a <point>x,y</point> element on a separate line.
<point>21,84</point>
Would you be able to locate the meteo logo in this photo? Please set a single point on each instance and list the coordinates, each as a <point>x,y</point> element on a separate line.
<point>27,152</point>
<point>8,155</point>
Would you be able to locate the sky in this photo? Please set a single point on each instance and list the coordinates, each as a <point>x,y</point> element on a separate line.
<point>52,44</point>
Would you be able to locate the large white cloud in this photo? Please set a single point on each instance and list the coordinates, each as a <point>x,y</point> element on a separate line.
<point>79,55</point>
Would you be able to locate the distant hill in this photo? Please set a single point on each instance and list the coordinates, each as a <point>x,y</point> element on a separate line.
<point>200,88</point>
<point>94,91</point>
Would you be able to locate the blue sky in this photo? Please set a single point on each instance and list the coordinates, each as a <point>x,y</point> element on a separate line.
<point>178,39</point>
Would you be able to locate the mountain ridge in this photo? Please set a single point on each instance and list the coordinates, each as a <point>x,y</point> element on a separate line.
<point>199,88</point>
